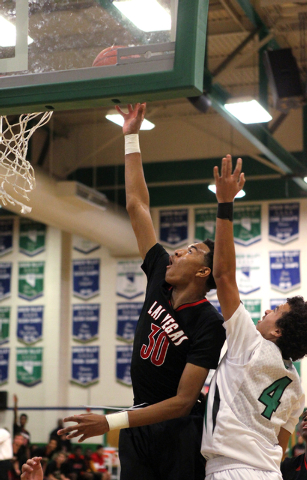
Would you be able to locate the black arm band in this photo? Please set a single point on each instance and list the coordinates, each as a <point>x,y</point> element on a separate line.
<point>225,211</point>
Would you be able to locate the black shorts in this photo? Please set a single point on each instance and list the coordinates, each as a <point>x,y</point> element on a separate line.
<point>164,451</point>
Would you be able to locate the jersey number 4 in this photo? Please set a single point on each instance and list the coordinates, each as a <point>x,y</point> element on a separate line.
<point>157,347</point>
<point>271,396</point>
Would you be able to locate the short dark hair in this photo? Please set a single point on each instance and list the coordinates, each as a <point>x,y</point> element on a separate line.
<point>99,447</point>
<point>23,415</point>
<point>293,324</point>
<point>209,262</point>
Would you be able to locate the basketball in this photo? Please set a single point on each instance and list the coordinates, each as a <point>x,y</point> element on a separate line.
<point>108,56</point>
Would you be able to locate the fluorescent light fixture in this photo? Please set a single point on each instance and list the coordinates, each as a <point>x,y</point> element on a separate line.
<point>248,111</point>
<point>118,119</point>
<point>8,34</point>
<point>240,194</point>
<point>147,15</point>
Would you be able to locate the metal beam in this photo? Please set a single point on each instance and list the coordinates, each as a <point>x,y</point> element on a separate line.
<point>236,51</point>
<point>263,141</point>
<point>255,19</point>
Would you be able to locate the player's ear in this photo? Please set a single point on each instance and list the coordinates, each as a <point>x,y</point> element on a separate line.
<point>277,332</point>
<point>203,272</point>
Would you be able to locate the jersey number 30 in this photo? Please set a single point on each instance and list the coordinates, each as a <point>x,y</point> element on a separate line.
<point>271,396</point>
<point>157,347</point>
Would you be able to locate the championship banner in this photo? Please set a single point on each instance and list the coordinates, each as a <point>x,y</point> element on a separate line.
<point>284,222</point>
<point>123,364</point>
<point>285,270</point>
<point>248,273</point>
<point>204,221</point>
<point>5,315</point>
<point>174,227</point>
<point>247,224</point>
<point>131,280</point>
<point>5,280</point>
<point>4,365</point>
<point>85,322</point>
<point>86,278</point>
<point>29,365</point>
<point>6,236</point>
<point>83,245</point>
<point>127,319</point>
<point>216,305</point>
<point>30,324</point>
<point>85,366</point>
<point>32,237</point>
<point>31,280</point>
<point>254,309</point>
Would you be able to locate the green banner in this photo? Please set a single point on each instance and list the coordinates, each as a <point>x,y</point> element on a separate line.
<point>29,363</point>
<point>31,280</point>
<point>298,366</point>
<point>204,221</point>
<point>5,315</point>
<point>254,308</point>
<point>247,224</point>
<point>32,237</point>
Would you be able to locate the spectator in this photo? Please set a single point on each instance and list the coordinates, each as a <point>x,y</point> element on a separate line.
<point>295,468</point>
<point>19,456</point>
<point>64,444</point>
<point>48,450</point>
<point>98,463</point>
<point>58,468</point>
<point>20,428</point>
<point>90,465</point>
<point>6,453</point>
<point>299,447</point>
<point>78,466</point>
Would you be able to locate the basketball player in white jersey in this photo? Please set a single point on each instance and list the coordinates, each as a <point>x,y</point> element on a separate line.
<point>255,397</point>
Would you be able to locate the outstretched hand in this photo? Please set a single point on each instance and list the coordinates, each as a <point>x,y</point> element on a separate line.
<point>133,119</point>
<point>32,469</point>
<point>88,425</point>
<point>228,184</point>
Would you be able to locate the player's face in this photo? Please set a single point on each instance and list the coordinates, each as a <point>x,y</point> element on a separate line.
<point>303,429</point>
<point>267,325</point>
<point>186,263</point>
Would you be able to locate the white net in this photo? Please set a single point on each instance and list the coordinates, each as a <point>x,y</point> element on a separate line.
<point>16,173</point>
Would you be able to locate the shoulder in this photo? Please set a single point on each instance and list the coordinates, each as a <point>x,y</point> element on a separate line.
<point>155,262</point>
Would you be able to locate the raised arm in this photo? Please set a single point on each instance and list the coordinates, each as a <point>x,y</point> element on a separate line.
<point>228,184</point>
<point>137,196</point>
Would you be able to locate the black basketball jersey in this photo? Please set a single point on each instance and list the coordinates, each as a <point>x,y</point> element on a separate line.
<point>167,339</point>
<point>294,468</point>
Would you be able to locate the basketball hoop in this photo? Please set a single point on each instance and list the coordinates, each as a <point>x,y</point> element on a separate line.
<point>15,171</point>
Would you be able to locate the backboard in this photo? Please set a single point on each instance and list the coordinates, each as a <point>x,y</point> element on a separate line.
<point>47,50</point>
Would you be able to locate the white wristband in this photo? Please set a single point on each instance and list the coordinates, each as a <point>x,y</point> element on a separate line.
<point>132,144</point>
<point>118,420</point>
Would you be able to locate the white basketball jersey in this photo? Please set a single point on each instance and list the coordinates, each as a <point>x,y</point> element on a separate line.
<point>253,393</point>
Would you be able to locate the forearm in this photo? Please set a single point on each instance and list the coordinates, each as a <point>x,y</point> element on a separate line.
<point>136,188</point>
<point>169,409</point>
<point>224,264</point>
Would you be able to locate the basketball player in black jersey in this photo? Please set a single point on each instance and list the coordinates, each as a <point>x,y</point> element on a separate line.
<point>178,340</point>
<point>295,468</point>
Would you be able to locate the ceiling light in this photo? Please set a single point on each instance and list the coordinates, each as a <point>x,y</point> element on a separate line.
<point>8,34</point>
<point>148,16</point>
<point>240,194</point>
<point>118,119</point>
<point>248,111</point>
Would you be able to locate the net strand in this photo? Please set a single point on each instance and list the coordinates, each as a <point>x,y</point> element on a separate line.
<point>15,169</point>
